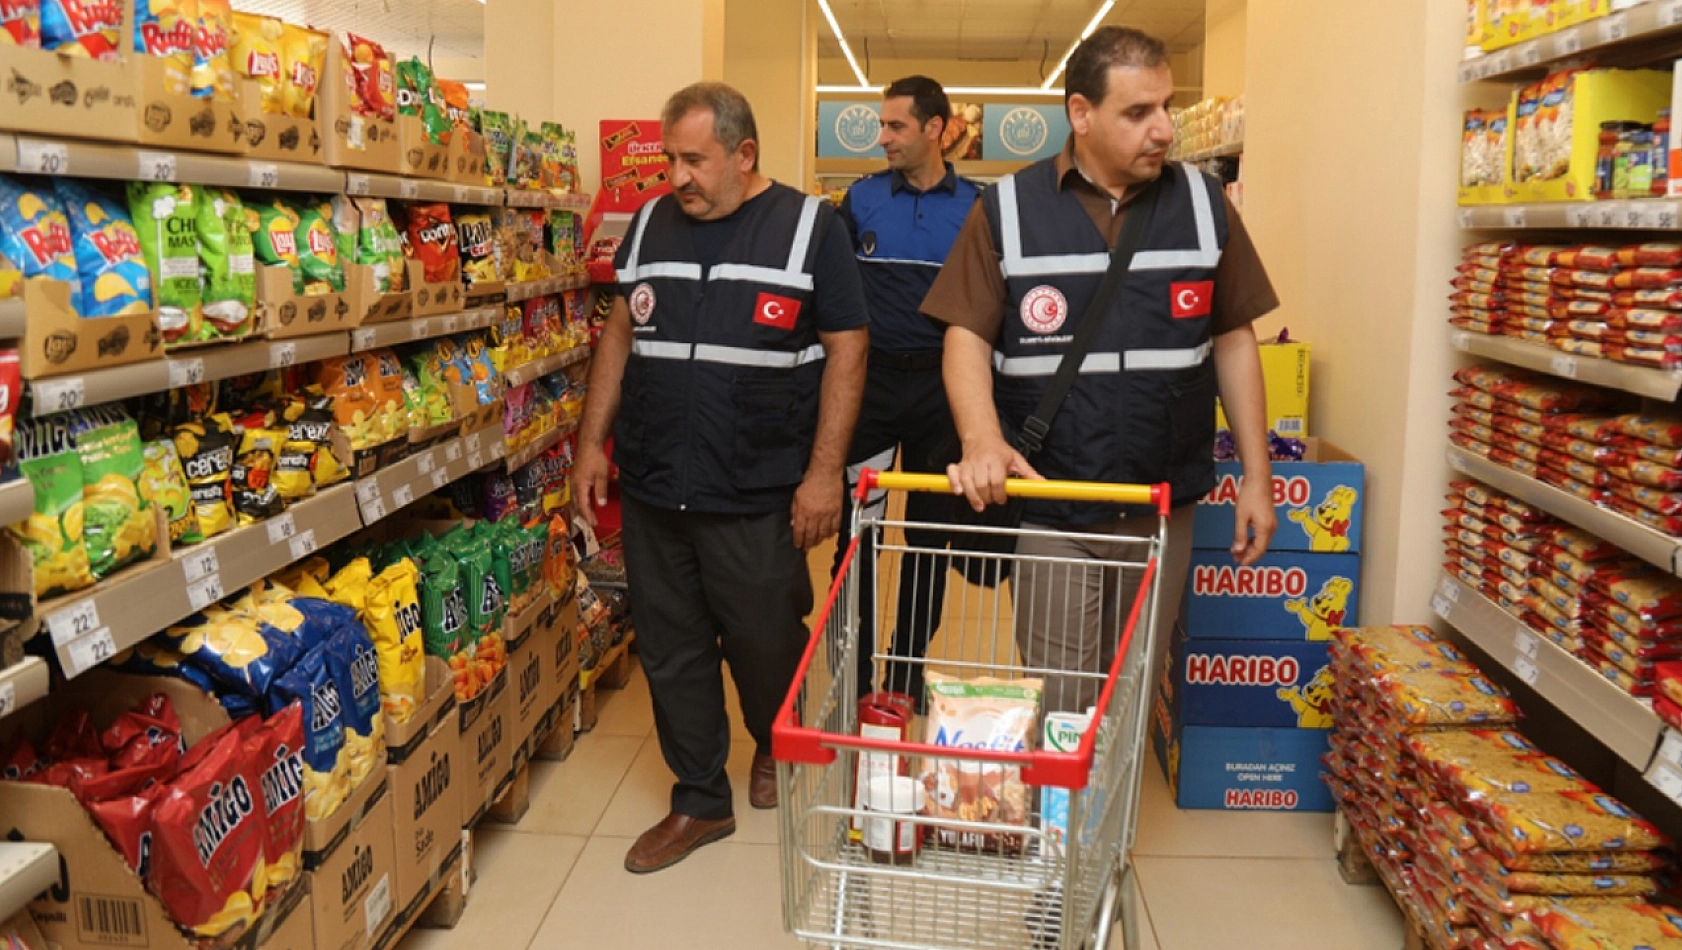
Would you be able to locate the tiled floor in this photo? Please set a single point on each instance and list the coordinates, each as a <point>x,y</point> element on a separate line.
<point>556,881</point>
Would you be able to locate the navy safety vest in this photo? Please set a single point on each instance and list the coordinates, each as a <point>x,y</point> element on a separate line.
<point>1142,409</point>
<point>901,240</point>
<point>719,404</point>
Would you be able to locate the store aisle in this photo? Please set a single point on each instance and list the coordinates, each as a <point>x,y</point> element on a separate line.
<point>556,881</point>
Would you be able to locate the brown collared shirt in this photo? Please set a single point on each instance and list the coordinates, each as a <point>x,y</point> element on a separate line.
<point>970,290</point>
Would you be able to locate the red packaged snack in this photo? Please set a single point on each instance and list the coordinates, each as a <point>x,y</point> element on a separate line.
<point>19,761</point>
<point>73,737</point>
<point>1648,278</point>
<point>62,774</point>
<point>1590,258</point>
<point>152,765</point>
<point>1651,255</point>
<point>154,720</point>
<point>127,821</point>
<point>1665,430</point>
<point>1645,319</point>
<point>1644,356</point>
<point>276,751</point>
<point>432,240</point>
<point>373,79</point>
<point>207,842</point>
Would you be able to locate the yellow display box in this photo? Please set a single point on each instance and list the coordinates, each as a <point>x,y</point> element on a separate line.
<point>1285,372</point>
<point>1611,95</point>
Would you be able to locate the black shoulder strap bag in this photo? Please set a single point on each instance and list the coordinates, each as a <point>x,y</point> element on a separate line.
<point>994,565</point>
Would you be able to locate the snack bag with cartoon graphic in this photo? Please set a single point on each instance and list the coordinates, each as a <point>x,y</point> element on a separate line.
<point>255,48</point>
<point>318,250</point>
<point>168,30</point>
<point>110,265</point>
<point>213,67</point>
<point>498,130</point>
<point>20,24</point>
<point>432,241</point>
<point>207,456</point>
<point>119,526</point>
<point>35,233</point>
<point>165,218</point>
<point>93,30</point>
<point>303,58</point>
<point>229,264</point>
<point>163,482</point>
<point>52,534</point>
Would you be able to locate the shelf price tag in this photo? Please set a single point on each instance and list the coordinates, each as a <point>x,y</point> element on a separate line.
<point>1563,365</point>
<point>364,339</point>
<point>1670,749</point>
<point>1614,28</point>
<point>1661,216</point>
<point>1526,669</point>
<point>8,698</point>
<point>498,449</point>
<point>408,190</point>
<point>189,372</point>
<point>1568,43</point>
<point>420,329</point>
<point>157,166</point>
<point>440,478</point>
<point>1670,13</point>
<point>1466,217</point>
<point>1578,216</point>
<point>1525,642</point>
<point>282,528</point>
<point>43,158</point>
<point>1457,463</point>
<point>77,620</point>
<point>426,463</point>
<point>1514,217</point>
<point>264,175</point>
<point>402,495</point>
<point>475,460</point>
<point>1530,53</point>
<point>1667,780</point>
<point>1449,589</point>
<point>373,509</point>
<point>464,194</point>
<point>282,355</point>
<point>205,591</point>
<point>91,650</point>
<point>452,452</point>
<point>356,184</point>
<point>1440,606</point>
<point>1606,215</point>
<point>1634,217</point>
<point>1460,340</point>
<point>59,395</point>
<point>303,545</point>
<point>451,323</point>
<point>200,564</point>
<point>473,442</point>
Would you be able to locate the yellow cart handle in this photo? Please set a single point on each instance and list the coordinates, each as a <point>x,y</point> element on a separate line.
<point>1157,496</point>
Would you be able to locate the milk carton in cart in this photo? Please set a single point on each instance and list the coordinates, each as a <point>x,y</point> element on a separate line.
<point>1063,732</point>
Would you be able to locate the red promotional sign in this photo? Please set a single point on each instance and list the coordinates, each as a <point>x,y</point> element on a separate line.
<point>634,167</point>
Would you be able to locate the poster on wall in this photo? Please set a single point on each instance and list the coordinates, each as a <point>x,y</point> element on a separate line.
<point>1025,133</point>
<point>850,130</point>
<point>961,142</point>
<point>634,166</point>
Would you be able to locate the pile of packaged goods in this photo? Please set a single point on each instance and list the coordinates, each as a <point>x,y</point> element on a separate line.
<point>1488,841</point>
<point>1483,149</point>
<point>1623,304</point>
<point>1496,544</point>
<point>1209,124</point>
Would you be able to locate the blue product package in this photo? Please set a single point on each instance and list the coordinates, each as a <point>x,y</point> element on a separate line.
<point>109,262</point>
<point>310,684</point>
<point>1286,595</point>
<point>35,233</point>
<point>501,498</point>
<point>1319,501</point>
<point>355,668</point>
<point>1279,684</point>
<point>238,705</point>
<point>91,28</point>
<point>151,658</point>
<point>237,651</point>
<point>323,618</point>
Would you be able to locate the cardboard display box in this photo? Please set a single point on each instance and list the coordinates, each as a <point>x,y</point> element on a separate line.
<point>279,138</point>
<point>434,298</point>
<point>419,157</point>
<point>1596,97</point>
<point>57,342</point>
<point>487,748</point>
<point>427,773</point>
<point>352,893</point>
<point>1285,373</point>
<point>467,158</point>
<point>1283,596</point>
<point>174,119</point>
<point>1240,769</point>
<point>367,304</point>
<point>353,141</point>
<point>49,94</point>
<point>282,313</point>
<point>523,699</point>
<point>1319,502</point>
<point>1285,685</point>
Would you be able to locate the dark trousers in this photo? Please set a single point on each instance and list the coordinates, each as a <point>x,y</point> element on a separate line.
<point>904,415</point>
<point>712,589</point>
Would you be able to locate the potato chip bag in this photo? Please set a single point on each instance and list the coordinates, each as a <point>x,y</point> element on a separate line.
<point>318,249</point>
<point>229,264</point>
<point>480,371</point>
<point>207,841</point>
<point>432,241</point>
<point>274,226</point>
<point>354,665</point>
<point>550,135</point>
<point>292,476</point>
<point>374,81</point>
<point>275,751</point>
<point>53,533</point>
<point>207,457</point>
<point>110,266</point>
<point>484,587</point>
<point>213,68</point>
<point>254,43</point>
<point>239,651</point>
<point>256,497</point>
<point>168,29</point>
<point>348,587</point>
<point>497,129</point>
<point>458,106</point>
<point>303,58</point>
<point>127,822</point>
<point>349,381</point>
<point>443,606</point>
<point>475,238</point>
<point>35,233</point>
<point>558,565</point>
<point>90,28</point>
<point>378,246</point>
<point>391,414</point>
<point>119,526</point>
<point>166,219</point>
<point>20,23</point>
<point>434,399</point>
<point>394,618</point>
<point>326,767</point>
<point>418,95</point>
<point>164,483</point>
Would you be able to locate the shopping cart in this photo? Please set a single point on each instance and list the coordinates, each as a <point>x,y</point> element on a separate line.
<point>1042,881</point>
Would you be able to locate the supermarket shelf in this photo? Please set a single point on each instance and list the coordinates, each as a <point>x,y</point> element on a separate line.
<point>187,367</point>
<point>87,628</point>
<point>21,684</point>
<point>17,500</point>
<point>422,328</point>
<point>577,201</point>
<point>1640,214</point>
<point>418,189</point>
<point>1629,29</point>
<point>1641,380</point>
<point>62,393</point>
<point>525,456</point>
<point>396,487</point>
<point>12,319</point>
<point>1625,724</point>
<point>1229,150</point>
<point>67,157</point>
<point>26,869</point>
<point>537,369</point>
<point>1651,546</point>
<point>542,288</point>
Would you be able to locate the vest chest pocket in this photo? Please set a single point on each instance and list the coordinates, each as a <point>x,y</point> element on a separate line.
<point>773,433</point>
<point>1191,417</point>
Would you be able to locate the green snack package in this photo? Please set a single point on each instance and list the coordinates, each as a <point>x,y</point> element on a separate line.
<point>424,366</point>
<point>230,267</point>
<point>378,245</point>
<point>550,135</point>
<point>498,130</point>
<point>52,534</point>
<point>444,614</point>
<point>274,236</point>
<point>318,250</point>
<point>418,95</point>
<point>166,219</point>
<point>494,536</point>
<point>119,527</point>
<point>347,226</point>
<point>164,483</point>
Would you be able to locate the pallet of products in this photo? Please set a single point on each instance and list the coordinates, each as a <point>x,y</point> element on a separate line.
<point>1483,838</point>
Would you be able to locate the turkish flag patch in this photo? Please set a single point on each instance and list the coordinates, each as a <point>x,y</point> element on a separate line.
<point>774,311</point>
<point>1192,300</point>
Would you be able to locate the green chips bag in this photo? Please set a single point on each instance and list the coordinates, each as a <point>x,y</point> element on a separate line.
<point>166,219</point>
<point>418,95</point>
<point>498,130</point>
<point>52,534</point>
<point>318,250</point>
<point>274,236</point>
<point>230,267</point>
<point>119,526</point>
<point>444,614</point>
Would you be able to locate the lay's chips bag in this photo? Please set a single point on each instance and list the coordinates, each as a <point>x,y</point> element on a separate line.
<point>168,30</point>
<point>303,60</point>
<point>254,47</point>
<point>110,265</point>
<point>166,219</point>
<point>83,28</point>
<point>35,233</point>
<point>274,236</point>
<point>318,249</point>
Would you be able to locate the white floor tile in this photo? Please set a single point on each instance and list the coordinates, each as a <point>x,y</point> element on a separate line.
<point>520,875</point>
<point>1264,904</point>
<point>625,712</point>
<point>645,797</point>
<point>570,797</point>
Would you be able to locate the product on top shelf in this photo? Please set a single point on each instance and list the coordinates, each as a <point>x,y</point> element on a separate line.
<point>20,24</point>
<point>254,42</point>
<point>373,79</point>
<point>213,66</point>
<point>303,61</point>
<point>228,262</point>
<point>74,28</point>
<point>168,30</point>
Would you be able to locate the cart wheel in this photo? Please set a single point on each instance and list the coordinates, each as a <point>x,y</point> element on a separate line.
<point>1108,908</point>
<point>1128,908</point>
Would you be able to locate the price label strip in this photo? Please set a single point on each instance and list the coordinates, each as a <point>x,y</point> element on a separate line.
<point>303,545</point>
<point>402,496</point>
<point>73,622</point>
<point>1565,366</point>
<point>8,698</point>
<point>264,175</point>
<point>205,591</point>
<point>364,339</point>
<point>284,527</point>
<point>59,395</point>
<point>90,651</point>
<point>440,478</point>
<point>1514,217</point>
<point>1526,669</point>
<point>426,463</point>
<point>452,452</point>
<point>1449,590</point>
<point>157,166</point>
<point>43,158</point>
<point>1526,643</point>
<point>1670,13</point>
<point>282,355</point>
<point>187,372</point>
<point>200,564</point>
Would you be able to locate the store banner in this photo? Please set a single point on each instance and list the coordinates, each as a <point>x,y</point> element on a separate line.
<point>634,166</point>
<point>1024,133</point>
<point>850,130</point>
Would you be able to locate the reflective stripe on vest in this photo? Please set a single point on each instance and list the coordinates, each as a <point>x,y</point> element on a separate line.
<point>793,276</point>
<point>1014,264</point>
<point>727,355</point>
<point>1103,363</point>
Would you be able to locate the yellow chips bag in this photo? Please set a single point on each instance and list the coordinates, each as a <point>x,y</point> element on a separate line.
<point>303,58</point>
<point>256,43</point>
<point>393,619</point>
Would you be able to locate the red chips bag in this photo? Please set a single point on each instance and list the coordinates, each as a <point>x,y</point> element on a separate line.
<point>153,721</point>
<point>74,737</point>
<point>19,761</point>
<point>432,241</point>
<point>207,843</point>
<point>275,751</point>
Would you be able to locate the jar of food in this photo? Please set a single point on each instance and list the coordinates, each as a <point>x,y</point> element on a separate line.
<point>889,801</point>
<point>881,716</point>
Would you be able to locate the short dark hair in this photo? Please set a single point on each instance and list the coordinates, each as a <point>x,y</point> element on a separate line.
<point>1088,70</point>
<point>733,121</point>
<point>928,99</point>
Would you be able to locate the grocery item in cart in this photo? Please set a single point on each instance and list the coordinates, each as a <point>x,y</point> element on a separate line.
<point>981,713</point>
<point>109,264</point>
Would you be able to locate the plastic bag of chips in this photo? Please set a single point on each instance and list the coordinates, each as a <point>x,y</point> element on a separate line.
<point>318,249</point>
<point>74,28</point>
<point>418,96</point>
<point>213,68</point>
<point>498,130</point>
<point>204,870</point>
<point>207,456</point>
<point>168,30</point>
<point>109,263</point>
<point>303,58</point>
<point>255,43</point>
<point>163,483</point>
<point>326,766</point>
<point>35,233</point>
<point>394,617</point>
<point>377,244</point>
<point>374,81</point>
<point>432,241</point>
<point>354,665</point>
<point>275,751</point>
<point>229,263</point>
<point>238,651</point>
<point>443,606</point>
<point>119,526</point>
<point>256,497</point>
<point>20,24</point>
<point>274,236</point>
<point>166,219</point>
<point>475,237</point>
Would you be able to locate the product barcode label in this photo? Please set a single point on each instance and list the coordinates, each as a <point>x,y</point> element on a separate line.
<point>1526,669</point>
<point>1564,366</point>
<point>303,545</point>
<point>59,395</point>
<point>264,175</point>
<point>91,650</point>
<point>402,495</point>
<point>282,528</point>
<point>189,372</point>
<point>1514,217</point>
<point>282,355</point>
<point>377,907</point>
<point>205,591</point>
<point>157,166</point>
<point>77,620</point>
<point>1525,642</point>
<point>43,158</point>
<point>110,920</point>
<point>200,564</point>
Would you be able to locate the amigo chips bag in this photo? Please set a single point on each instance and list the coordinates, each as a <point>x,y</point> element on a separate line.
<point>354,665</point>
<point>326,766</point>
<point>394,618</point>
<point>119,526</point>
<point>275,753</point>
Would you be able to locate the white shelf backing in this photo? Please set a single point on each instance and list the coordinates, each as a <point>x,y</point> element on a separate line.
<point>1638,214</point>
<point>26,869</point>
<point>22,683</point>
<point>423,328</point>
<point>1651,546</point>
<point>537,369</point>
<point>17,500</point>
<point>1641,380</point>
<point>1630,28</point>
<point>86,629</point>
<point>1625,724</point>
<point>45,156</point>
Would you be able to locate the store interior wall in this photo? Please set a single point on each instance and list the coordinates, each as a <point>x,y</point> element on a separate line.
<point>1352,209</point>
<point>1024,73</point>
<point>769,46</point>
<point>1224,53</point>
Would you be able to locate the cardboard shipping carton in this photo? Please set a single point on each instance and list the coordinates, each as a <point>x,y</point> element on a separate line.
<point>428,774</point>
<point>487,748</point>
<point>352,891</point>
<point>1319,502</point>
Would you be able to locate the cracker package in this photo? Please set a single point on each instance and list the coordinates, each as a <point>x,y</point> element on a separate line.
<point>978,713</point>
<point>213,67</point>
<point>255,47</point>
<point>109,263</point>
<point>53,532</point>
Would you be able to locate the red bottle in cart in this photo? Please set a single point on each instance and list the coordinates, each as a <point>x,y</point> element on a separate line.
<point>881,716</point>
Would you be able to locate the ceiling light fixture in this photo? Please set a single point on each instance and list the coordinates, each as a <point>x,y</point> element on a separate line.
<point>1097,18</point>
<point>846,50</point>
<point>954,90</point>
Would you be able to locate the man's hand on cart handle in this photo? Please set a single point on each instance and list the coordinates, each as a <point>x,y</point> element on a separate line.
<point>980,475</point>
<point>1256,520</point>
<point>590,476</point>
<point>816,514</point>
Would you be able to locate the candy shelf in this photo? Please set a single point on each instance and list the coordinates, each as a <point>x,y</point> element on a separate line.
<point>1613,38</point>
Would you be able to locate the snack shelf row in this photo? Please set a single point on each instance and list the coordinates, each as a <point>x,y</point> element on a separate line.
<point>1654,547</point>
<point>1646,381</point>
<point>521,458</point>
<point>422,328</point>
<point>26,869</point>
<point>1624,214</point>
<point>537,369</point>
<point>1613,36</point>
<point>35,155</point>
<point>1229,150</point>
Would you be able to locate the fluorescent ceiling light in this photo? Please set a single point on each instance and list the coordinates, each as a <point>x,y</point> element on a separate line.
<point>955,90</point>
<point>1097,18</point>
<point>846,50</point>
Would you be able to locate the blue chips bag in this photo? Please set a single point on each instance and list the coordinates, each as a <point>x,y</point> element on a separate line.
<point>355,667</point>
<point>323,617</point>
<point>91,28</point>
<point>238,651</point>
<point>326,767</point>
<point>109,262</point>
<point>35,233</point>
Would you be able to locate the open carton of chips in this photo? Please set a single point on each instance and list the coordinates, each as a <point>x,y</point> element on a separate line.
<point>466,157</point>
<point>353,140</point>
<point>367,304</point>
<point>283,313</point>
<point>279,138</point>
<point>78,96</point>
<point>57,342</point>
<point>170,117</point>
<point>420,156</point>
<point>434,298</point>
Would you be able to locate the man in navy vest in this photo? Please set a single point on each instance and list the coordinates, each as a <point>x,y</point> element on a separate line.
<point>1142,409</point>
<point>730,373</point>
<point>903,222</point>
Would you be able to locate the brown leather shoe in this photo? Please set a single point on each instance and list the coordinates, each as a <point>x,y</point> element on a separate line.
<point>762,782</point>
<point>673,839</point>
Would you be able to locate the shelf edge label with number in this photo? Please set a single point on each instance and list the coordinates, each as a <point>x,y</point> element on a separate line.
<point>421,328</point>
<point>201,564</point>
<point>157,166</point>
<point>282,528</point>
<point>1670,13</point>
<point>1526,643</point>
<point>1526,669</point>
<point>407,189</point>
<point>43,158</point>
<point>205,591</point>
<point>282,355</point>
<point>402,495</point>
<point>1449,589</point>
<point>1440,606</point>
<point>91,650</point>
<point>303,545</point>
<point>186,372</point>
<point>356,184</point>
<point>452,452</point>
<point>1565,366</point>
<point>1460,340</point>
<point>264,175</point>
<point>59,395</point>
<point>1614,28</point>
<point>1514,217</point>
<point>68,623</point>
<point>440,478</point>
<point>8,698</point>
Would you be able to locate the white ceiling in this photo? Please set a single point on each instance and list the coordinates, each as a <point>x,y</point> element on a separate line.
<point>453,28</point>
<point>1002,30</point>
